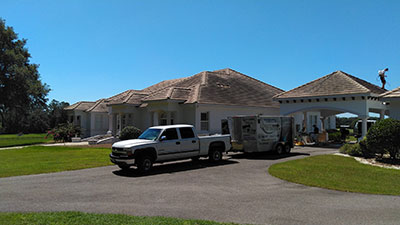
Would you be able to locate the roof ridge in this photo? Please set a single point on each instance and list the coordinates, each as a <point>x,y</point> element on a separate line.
<point>296,88</point>
<point>251,78</point>
<point>95,105</point>
<point>356,79</point>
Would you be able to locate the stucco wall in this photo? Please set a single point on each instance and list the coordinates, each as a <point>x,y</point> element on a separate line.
<point>394,110</point>
<point>219,112</point>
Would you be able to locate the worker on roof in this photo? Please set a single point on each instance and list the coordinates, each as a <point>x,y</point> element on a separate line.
<point>382,75</point>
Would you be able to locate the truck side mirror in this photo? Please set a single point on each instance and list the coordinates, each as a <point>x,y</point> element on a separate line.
<point>163,138</point>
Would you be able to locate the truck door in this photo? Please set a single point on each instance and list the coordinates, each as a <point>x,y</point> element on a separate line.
<point>170,146</point>
<point>190,145</point>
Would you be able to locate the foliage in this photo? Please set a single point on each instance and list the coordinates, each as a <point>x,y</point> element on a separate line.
<point>56,113</point>
<point>23,94</point>
<point>339,173</point>
<point>64,132</point>
<point>351,149</point>
<point>62,218</point>
<point>130,132</point>
<point>46,159</point>
<point>335,137</point>
<point>384,137</point>
<point>8,140</point>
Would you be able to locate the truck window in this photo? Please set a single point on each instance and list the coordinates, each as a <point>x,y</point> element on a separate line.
<point>170,134</point>
<point>186,132</point>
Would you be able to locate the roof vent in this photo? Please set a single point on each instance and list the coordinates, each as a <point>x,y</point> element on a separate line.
<point>223,85</point>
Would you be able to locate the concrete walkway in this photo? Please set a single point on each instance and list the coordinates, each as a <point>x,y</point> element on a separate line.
<point>52,144</point>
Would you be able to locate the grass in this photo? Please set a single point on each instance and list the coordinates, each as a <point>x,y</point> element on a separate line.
<point>92,218</point>
<point>41,159</point>
<point>339,173</point>
<point>9,140</point>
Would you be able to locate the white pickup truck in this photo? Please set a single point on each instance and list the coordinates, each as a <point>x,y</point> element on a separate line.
<point>167,143</point>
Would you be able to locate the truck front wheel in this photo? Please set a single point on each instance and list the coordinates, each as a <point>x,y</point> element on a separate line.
<point>144,164</point>
<point>215,155</point>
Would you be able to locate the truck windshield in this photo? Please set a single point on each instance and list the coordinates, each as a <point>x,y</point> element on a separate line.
<point>150,134</point>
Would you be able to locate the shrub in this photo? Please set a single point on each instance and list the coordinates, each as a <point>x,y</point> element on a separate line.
<point>384,137</point>
<point>335,137</point>
<point>64,132</point>
<point>351,149</point>
<point>130,132</point>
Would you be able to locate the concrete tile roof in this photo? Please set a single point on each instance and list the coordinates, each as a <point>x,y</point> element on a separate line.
<point>395,93</point>
<point>82,105</point>
<point>226,87</point>
<point>99,107</point>
<point>133,97</point>
<point>336,83</point>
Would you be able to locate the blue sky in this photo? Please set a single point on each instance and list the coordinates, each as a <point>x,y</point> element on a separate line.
<point>94,49</point>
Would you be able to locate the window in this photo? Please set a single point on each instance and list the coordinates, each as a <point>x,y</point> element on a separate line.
<point>204,117</point>
<point>186,132</point>
<point>78,120</point>
<point>170,134</point>
<point>163,118</point>
<point>224,126</point>
<point>71,119</point>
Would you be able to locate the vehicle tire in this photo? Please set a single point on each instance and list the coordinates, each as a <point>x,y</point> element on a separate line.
<point>124,167</point>
<point>279,149</point>
<point>215,155</point>
<point>287,149</point>
<point>144,164</point>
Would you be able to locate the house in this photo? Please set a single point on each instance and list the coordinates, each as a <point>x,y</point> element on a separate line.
<point>204,100</point>
<point>392,98</point>
<point>91,117</point>
<point>317,102</point>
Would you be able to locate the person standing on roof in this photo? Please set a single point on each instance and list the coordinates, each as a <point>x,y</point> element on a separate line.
<point>382,75</point>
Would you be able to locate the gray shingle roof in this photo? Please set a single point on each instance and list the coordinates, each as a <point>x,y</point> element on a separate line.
<point>336,83</point>
<point>395,93</point>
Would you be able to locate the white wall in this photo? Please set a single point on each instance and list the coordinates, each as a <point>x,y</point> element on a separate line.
<point>219,112</point>
<point>98,123</point>
<point>394,109</point>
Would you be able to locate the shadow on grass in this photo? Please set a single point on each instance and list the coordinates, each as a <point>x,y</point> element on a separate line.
<point>173,167</point>
<point>266,155</point>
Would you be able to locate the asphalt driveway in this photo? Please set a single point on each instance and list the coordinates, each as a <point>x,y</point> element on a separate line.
<point>237,190</point>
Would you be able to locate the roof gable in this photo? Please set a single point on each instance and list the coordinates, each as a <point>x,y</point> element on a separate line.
<point>82,105</point>
<point>336,83</point>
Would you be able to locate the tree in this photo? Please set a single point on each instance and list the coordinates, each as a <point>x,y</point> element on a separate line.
<point>57,114</point>
<point>22,93</point>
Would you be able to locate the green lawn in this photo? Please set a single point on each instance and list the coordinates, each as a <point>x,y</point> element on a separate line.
<point>339,173</point>
<point>91,218</point>
<point>40,159</point>
<point>8,140</point>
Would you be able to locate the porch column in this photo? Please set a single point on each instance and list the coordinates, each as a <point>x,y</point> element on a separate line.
<point>110,123</point>
<point>168,118</point>
<point>305,122</point>
<point>382,114</point>
<point>155,118</point>
<point>364,127</point>
<point>119,123</point>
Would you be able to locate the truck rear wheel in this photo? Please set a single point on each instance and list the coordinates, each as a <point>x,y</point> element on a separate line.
<point>287,149</point>
<point>215,155</point>
<point>279,149</point>
<point>144,164</point>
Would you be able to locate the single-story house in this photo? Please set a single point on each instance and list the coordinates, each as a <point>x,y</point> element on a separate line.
<point>91,117</point>
<point>204,100</point>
